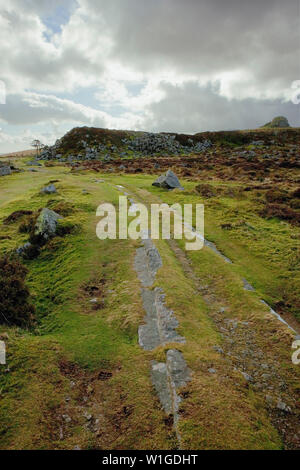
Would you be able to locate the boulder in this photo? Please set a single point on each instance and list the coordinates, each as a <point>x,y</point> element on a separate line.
<point>51,189</point>
<point>46,224</point>
<point>5,170</point>
<point>169,181</point>
<point>33,163</point>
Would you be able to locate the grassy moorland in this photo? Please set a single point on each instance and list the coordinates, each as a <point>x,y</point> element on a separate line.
<point>77,377</point>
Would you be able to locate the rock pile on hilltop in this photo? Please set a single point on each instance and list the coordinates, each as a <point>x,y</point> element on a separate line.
<point>105,145</point>
<point>150,143</point>
<point>279,121</point>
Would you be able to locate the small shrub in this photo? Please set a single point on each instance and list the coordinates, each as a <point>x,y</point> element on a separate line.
<point>65,227</point>
<point>15,307</point>
<point>15,216</point>
<point>31,252</point>
<point>62,208</point>
<point>277,195</point>
<point>206,190</point>
<point>296,194</point>
<point>281,211</point>
<point>28,224</point>
<point>295,203</point>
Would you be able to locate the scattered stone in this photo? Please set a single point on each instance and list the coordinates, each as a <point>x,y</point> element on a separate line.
<point>247,377</point>
<point>5,170</point>
<point>51,189</point>
<point>33,163</point>
<point>66,418</point>
<point>222,310</point>
<point>212,371</point>
<point>218,349</point>
<point>46,224</point>
<point>28,250</point>
<point>168,181</point>
<point>87,416</point>
<point>283,406</point>
<point>247,286</point>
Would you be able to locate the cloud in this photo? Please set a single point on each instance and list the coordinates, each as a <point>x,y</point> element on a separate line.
<point>192,108</point>
<point>148,64</point>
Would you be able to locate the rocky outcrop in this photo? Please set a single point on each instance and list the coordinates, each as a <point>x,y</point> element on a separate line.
<point>104,144</point>
<point>151,143</point>
<point>168,181</point>
<point>279,121</point>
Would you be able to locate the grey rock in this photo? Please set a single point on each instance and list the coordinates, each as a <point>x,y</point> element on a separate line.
<point>247,377</point>
<point>167,378</point>
<point>177,368</point>
<point>212,371</point>
<point>159,376</point>
<point>160,322</point>
<point>23,249</point>
<point>147,263</point>
<point>213,247</point>
<point>87,416</point>
<point>66,418</point>
<point>218,349</point>
<point>247,286</point>
<point>283,406</point>
<point>33,163</point>
<point>5,170</point>
<point>51,189</point>
<point>168,181</point>
<point>46,224</point>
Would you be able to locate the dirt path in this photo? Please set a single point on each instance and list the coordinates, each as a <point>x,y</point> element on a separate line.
<point>159,329</point>
<point>242,347</point>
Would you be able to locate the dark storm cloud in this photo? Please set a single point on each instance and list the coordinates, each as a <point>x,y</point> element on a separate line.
<point>208,36</point>
<point>190,108</point>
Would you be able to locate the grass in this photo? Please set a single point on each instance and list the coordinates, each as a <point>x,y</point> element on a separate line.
<point>265,252</point>
<point>82,360</point>
<point>33,392</point>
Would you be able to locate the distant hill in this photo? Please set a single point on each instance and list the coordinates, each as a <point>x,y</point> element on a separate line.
<point>279,121</point>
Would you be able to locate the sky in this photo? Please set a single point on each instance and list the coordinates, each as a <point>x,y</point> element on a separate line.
<point>154,65</point>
